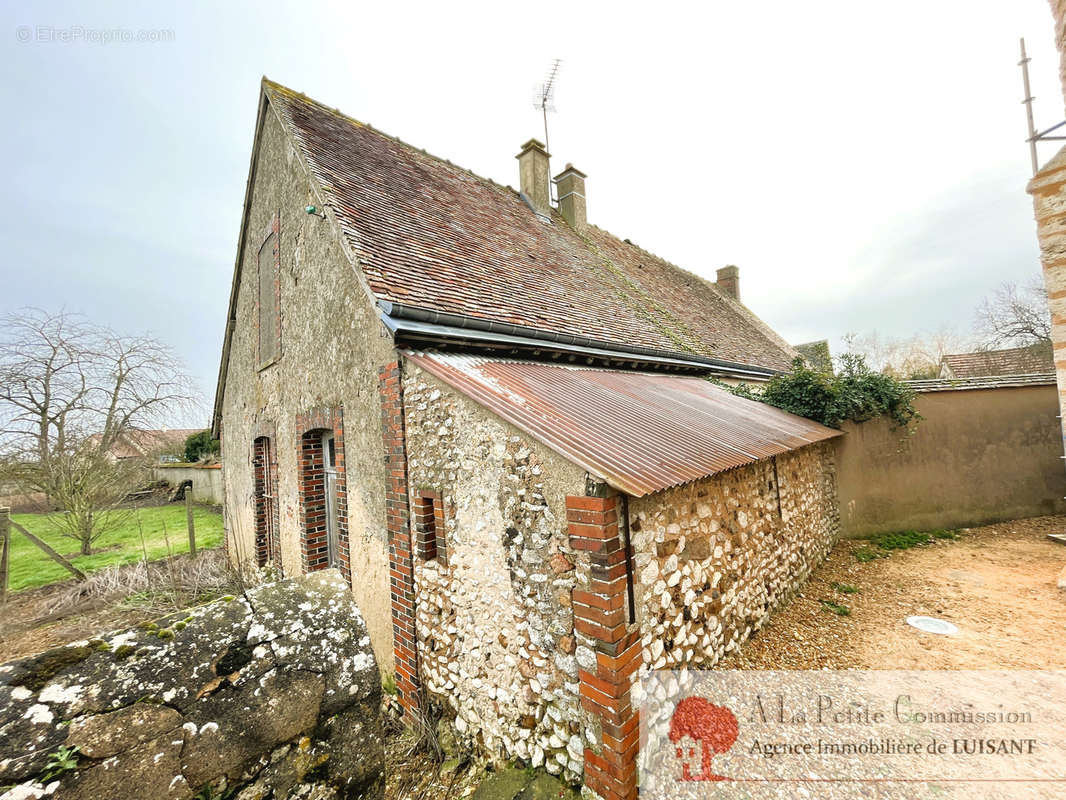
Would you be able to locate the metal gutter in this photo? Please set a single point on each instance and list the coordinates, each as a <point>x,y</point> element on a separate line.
<point>448,326</point>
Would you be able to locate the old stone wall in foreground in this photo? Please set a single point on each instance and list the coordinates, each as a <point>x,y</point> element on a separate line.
<point>276,692</point>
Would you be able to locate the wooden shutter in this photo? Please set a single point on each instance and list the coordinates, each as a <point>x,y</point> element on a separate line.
<point>268,301</point>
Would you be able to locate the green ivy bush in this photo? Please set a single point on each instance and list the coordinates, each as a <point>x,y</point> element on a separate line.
<point>199,445</point>
<point>855,393</point>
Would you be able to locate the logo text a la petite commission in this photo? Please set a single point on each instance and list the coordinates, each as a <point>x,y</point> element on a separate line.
<point>827,710</point>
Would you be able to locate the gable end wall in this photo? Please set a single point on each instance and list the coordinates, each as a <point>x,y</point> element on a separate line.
<point>331,345</point>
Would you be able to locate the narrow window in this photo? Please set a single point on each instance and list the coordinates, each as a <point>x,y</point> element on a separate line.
<point>268,300</point>
<point>429,528</point>
<point>623,524</point>
<point>329,457</point>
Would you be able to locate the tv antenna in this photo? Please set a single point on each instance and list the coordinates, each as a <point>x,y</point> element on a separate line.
<point>1034,137</point>
<point>544,96</point>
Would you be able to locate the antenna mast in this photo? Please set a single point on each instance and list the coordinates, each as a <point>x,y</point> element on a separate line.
<point>544,96</point>
<point>1034,137</point>
<point>1028,103</point>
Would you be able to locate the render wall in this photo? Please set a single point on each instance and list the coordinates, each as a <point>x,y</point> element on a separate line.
<point>714,557</point>
<point>332,344</point>
<point>979,456</point>
<point>495,623</point>
<point>206,481</point>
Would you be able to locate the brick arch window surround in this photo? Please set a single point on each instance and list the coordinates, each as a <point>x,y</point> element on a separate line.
<point>267,530</point>
<point>323,491</point>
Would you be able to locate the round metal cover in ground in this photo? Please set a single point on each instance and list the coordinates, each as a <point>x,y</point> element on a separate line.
<point>932,625</point>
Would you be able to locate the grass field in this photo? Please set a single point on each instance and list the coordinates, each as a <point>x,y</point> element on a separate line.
<point>30,567</point>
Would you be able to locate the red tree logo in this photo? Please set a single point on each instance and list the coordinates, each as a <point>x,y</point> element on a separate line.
<point>708,729</point>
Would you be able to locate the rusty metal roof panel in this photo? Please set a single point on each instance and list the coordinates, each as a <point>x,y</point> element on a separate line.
<point>640,432</point>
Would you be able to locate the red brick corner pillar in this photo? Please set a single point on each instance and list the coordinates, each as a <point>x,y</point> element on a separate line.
<point>398,526</point>
<point>601,613</point>
<point>1048,188</point>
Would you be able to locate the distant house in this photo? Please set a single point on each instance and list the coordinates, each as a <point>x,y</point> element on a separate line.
<point>494,418</point>
<point>150,443</point>
<point>1032,360</point>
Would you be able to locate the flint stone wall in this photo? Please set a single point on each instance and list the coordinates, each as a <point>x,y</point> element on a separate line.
<point>276,693</point>
<point>713,558</point>
<point>494,621</point>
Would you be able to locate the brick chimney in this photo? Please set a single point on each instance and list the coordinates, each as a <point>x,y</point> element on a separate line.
<point>570,184</point>
<point>729,281</point>
<point>533,176</point>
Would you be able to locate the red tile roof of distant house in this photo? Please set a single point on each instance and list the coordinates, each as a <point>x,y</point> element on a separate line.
<point>140,443</point>
<point>1032,360</point>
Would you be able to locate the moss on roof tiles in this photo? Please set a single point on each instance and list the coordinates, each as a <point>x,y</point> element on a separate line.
<point>430,229</point>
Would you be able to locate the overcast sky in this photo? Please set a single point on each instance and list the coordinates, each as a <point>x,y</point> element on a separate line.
<point>863,164</point>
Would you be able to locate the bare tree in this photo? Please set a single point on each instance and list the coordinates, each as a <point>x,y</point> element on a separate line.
<point>1015,316</point>
<point>69,392</point>
<point>907,358</point>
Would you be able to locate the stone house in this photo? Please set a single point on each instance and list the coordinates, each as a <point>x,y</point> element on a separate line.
<point>495,419</point>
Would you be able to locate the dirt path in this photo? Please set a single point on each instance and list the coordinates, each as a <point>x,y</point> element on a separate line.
<point>996,583</point>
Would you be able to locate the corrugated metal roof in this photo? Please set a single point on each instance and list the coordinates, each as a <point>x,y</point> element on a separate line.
<point>640,432</point>
<point>989,382</point>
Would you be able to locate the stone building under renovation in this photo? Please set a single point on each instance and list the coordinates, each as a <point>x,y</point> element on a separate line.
<point>495,418</point>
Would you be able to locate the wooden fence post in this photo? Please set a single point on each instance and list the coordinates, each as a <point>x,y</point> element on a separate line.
<point>189,522</point>
<point>5,550</point>
<point>48,551</point>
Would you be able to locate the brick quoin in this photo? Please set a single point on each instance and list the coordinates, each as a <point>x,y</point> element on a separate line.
<point>311,487</point>
<point>600,612</point>
<point>398,525</point>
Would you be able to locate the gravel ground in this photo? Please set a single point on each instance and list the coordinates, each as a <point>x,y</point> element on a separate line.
<point>996,583</point>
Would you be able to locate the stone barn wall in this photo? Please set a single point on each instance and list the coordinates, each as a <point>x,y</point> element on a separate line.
<point>273,694</point>
<point>493,604</point>
<point>1048,189</point>
<point>713,558</point>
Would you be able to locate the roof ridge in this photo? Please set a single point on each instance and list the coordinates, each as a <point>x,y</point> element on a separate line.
<point>752,316</point>
<point>1032,346</point>
<point>292,93</point>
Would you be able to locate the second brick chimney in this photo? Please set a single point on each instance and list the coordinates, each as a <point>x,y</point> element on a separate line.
<point>570,184</point>
<point>729,281</point>
<point>533,177</point>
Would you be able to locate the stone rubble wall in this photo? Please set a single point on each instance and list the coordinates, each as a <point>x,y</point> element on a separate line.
<point>274,694</point>
<point>494,619</point>
<point>713,558</point>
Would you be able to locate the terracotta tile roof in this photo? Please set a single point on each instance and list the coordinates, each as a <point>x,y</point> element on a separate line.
<point>987,382</point>
<point>432,235</point>
<point>137,442</point>
<point>640,432</point>
<point>1032,360</point>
